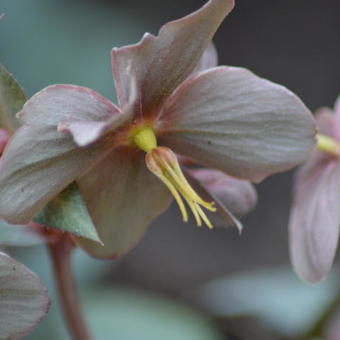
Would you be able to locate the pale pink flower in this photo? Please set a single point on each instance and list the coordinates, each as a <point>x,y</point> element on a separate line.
<point>173,100</point>
<point>315,215</point>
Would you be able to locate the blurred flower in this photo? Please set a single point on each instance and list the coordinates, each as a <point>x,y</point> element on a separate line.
<point>315,215</point>
<point>170,94</point>
<point>231,195</point>
<point>12,100</point>
<point>332,327</point>
<point>23,299</point>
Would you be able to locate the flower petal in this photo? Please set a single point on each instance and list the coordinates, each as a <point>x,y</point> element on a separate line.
<point>328,121</point>
<point>37,164</point>
<point>23,299</point>
<point>325,120</point>
<point>337,106</point>
<point>315,218</point>
<point>4,137</point>
<point>61,102</point>
<point>80,111</point>
<point>224,216</point>
<point>228,118</point>
<point>238,195</point>
<point>123,197</point>
<point>12,99</point>
<point>85,131</point>
<point>208,60</point>
<point>161,63</point>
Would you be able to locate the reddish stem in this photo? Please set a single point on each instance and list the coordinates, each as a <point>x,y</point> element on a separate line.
<point>60,254</point>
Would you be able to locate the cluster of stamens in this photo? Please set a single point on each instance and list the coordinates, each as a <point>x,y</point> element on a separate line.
<point>163,163</point>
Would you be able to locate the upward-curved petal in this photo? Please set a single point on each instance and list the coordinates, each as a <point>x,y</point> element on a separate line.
<point>230,119</point>
<point>75,110</point>
<point>59,102</point>
<point>160,63</point>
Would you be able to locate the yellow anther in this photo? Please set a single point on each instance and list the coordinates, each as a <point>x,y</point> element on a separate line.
<point>162,162</point>
<point>328,145</point>
<point>145,139</point>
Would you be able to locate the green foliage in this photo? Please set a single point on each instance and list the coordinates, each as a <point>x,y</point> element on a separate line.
<point>12,99</point>
<point>68,212</point>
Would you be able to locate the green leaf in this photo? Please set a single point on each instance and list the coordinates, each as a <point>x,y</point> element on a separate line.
<point>68,212</point>
<point>19,235</point>
<point>12,98</point>
<point>281,300</point>
<point>23,299</point>
<point>124,314</point>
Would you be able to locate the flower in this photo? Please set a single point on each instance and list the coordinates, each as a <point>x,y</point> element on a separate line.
<point>12,100</point>
<point>315,214</point>
<point>172,101</point>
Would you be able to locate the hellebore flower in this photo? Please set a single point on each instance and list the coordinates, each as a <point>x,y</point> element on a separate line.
<point>315,215</point>
<point>12,99</point>
<point>172,101</point>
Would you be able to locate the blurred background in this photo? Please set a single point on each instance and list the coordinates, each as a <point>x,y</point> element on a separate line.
<point>183,282</point>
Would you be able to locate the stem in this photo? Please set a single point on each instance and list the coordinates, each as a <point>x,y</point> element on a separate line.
<point>319,326</point>
<point>60,254</point>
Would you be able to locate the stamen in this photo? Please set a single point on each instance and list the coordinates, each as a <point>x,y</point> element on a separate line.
<point>177,197</point>
<point>328,145</point>
<point>162,162</point>
<point>193,208</point>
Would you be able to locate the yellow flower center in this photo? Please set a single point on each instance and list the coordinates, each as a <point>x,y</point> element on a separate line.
<point>163,163</point>
<point>145,138</point>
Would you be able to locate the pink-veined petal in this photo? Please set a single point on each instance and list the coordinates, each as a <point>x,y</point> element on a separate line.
<point>123,197</point>
<point>37,164</point>
<point>86,130</point>
<point>229,119</point>
<point>328,122</point>
<point>315,217</point>
<point>76,110</point>
<point>223,216</point>
<point>160,63</point>
<point>61,102</point>
<point>238,195</point>
<point>325,121</point>
<point>23,299</point>
<point>83,132</point>
<point>208,60</point>
<point>39,161</point>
